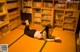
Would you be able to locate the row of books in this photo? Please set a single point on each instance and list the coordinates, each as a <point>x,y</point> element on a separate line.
<point>36,19</point>
<point>47,4</point>
<point>46,17</point>
<point>13,14</point>
<point>58,22</point>
<point>69,25</point>
<point>70,20</point>
<point>39,4</point>
<point>68,6</point>
<point>46,22</point>
<point>28,3</point>
<point>58,5</point>
<point>45,11</point>
<point>12,5</point>
<point>69,13</point>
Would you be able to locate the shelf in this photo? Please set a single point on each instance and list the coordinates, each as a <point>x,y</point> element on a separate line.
<point>71,10</point>
<point>37,22</point>
<point>58,24</point>
<point>47,12</point>
<point>59,5</point>
<point>52,12</point>
<point>59,19</point>
<point>68,22</point>
<point>14,17</point>
<point>3,24</point>
<point>2,1</point>
<point>37,5</point>
<point>14,14</point>
<point>59,9</point>
<point>37,14</point>
<point>46,17</point>
<point>27,6</point>
<point>70,16</point>
<point>47,8</point>
<point>4,13</point>
<point>72,5</point>
<point>12,5</point>
<point>48,4</point>
<point>14,23</point>
<point>68,28</point>
<point>45,22</point>
<point>27,3</point>
<point>58,15</point>
<point>4,34</point>
<point>4,21</point>
<point>36,19</point>
<point>4,30</point>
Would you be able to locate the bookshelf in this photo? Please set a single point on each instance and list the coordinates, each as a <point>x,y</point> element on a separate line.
<point>59,14</point>
<point>14,13</point>
<point>37,15</point>
<point>71,16</point>
<point>44,12</point>
<point>4,20</point>
<point>58,20</point>
<point>66,15</point>
<point>26,10</point>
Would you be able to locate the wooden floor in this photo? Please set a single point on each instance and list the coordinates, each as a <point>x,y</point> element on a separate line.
<point>28,44</point>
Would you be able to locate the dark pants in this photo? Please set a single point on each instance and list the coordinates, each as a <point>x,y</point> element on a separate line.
<point>29,32</point>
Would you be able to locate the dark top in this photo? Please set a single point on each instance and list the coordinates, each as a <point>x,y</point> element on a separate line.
<point>29,32</point>
<point>47,31</point>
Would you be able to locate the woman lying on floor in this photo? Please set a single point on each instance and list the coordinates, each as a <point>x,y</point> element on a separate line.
<point>39,34</point>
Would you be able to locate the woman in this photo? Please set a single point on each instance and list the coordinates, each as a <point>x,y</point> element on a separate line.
<point>38,34</point>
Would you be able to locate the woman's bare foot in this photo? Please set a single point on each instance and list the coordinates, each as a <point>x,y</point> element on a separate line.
<point>27,22</point>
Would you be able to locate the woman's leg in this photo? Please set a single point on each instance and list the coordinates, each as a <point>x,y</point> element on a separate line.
<point>27,22</point>
<point>26,27</point>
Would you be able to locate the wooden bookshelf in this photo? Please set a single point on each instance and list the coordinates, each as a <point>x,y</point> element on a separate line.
<point>4,19</point>
<point>13,7</point>
<point>68,17</point>
<point>54,12</point>
<point>26,10</point>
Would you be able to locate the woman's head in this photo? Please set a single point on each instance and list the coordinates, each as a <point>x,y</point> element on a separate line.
<point>49,26</point>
